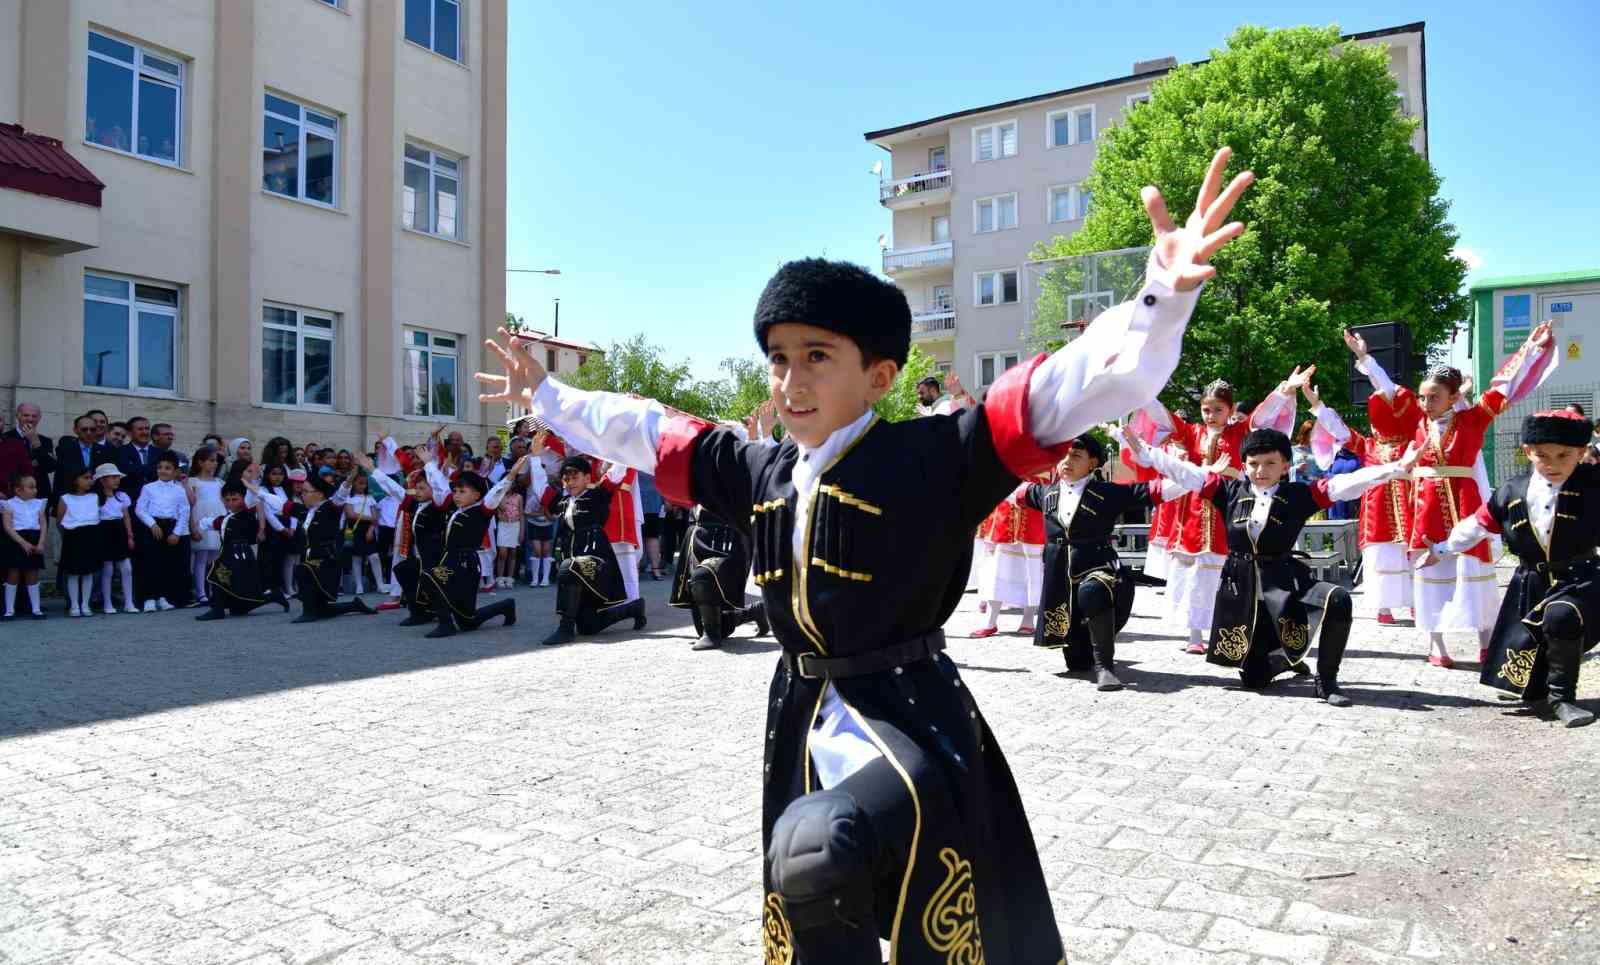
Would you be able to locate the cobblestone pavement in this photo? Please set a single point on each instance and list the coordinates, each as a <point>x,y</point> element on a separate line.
<point>257,792</point>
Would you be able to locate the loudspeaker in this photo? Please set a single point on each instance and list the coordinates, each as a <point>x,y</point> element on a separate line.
<point>1389,343</point>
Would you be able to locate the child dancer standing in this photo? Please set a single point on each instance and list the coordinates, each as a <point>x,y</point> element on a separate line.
<point>22,552</point>
<point>362,510</point>
<point>205,501</point>
<point>1012,573</point>
<point>78,514</point>
<point>163,562</point>
<point>884,790</point>
<point>116,538</point>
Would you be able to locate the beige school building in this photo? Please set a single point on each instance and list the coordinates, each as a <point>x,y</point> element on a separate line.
<point>256,218</point>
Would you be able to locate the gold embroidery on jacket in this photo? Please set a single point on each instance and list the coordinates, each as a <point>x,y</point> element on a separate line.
<point>1294,636</point>
<point>950,921</point>
<point>777,940</point>
<point>1233,642</point>
<point>849,500</point>
<point>1519,666</point>
<point>1057,621</point>
<point>840,572</point>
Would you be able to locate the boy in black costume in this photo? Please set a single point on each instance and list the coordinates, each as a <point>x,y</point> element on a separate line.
<point>321,536</point>
<point>1551,612</point>
<point>233,583</point>
<point>709,580</point>
<point>452,583</point>
<point>589,591</point>
<point>888,808</point>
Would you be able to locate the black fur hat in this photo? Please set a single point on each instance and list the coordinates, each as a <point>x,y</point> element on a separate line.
<point>839,297</point>
<point>471,480</point>
<point>1261,441</point>
<point>576,464</point>
<point>1561,427</point>
<point>1094,447</point>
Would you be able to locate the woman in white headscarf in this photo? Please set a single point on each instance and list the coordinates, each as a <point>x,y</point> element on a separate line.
<point>238,449</point>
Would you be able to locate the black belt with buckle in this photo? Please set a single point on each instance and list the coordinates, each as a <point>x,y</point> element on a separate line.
<point>814,667</point>
<point>1564,568</point>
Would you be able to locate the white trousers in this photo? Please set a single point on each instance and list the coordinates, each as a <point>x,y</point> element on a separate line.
<point>1386,576</point>
<point>628,562</point>
<point>1456,593</point>
<point>1013,574</point>
<point>1192,582</point>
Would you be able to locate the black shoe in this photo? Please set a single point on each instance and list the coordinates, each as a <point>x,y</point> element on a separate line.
<point>1331,693</point>
<point>211,614</point>
<point>1105,680</point>
<point>280,599</point>
<point>762,626</point>
<point>40,616</point>
<point>565,633</point>
<point>362,606</point>
<point>415,620</point>
<point>1570,715</point>
<point>638,614</point>
<point>511,613</point>
<point>305,618</point>
<point>444,629</point>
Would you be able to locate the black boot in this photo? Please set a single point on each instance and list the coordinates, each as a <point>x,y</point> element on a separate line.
<point>1330,653</point>
<point>569,596</point>
<point>759,614</point>
<point>565,633</point>
<point>499,608</point>
<point>709,616</point>
<point>1564,656</point>
<point>276,596</point>
<point>215,613</point>
<point>617,612</point>
<point>446,628</point>
<point>1103,635</point>
<point>418,617</point>
<point>307,615</point>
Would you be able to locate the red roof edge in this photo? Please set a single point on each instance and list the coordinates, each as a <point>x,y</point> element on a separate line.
<point>41,165</point>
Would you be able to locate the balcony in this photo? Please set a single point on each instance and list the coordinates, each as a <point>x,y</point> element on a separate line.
<point>923,188</point>
<point>906,262</point>
<point>934,323</point>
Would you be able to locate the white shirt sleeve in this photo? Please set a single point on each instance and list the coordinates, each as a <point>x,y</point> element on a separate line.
<point>1370,367</point>
<point>614,427</point>
<point>437,480</point>
<point>142,510</point>
<point>273,502</point>
<point>1466,534</point>
<point>497,494</point>
<point>388,462</point>
<point>1276,411</point>
<point>1118,364</point>
<point>1330,421</point>
<point>1349,485</point>
<point>617,473</point>
<point>183,513</point>
<point>1185,475</point>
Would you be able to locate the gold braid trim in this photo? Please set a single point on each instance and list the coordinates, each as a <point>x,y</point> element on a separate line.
<point>777,938</point>
<point>950,920</point>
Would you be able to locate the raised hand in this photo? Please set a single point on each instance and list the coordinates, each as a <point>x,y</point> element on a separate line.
<point>1313,396</point>
<point>523,375</point>
<point>1181,258</point>
<point>1542,336</point>
<point>364,461</point>
<point>1355,343</point>
<point>537,445</point>
<point>952,384</point>
<point>1222,465</point>
<point>1297,380</point>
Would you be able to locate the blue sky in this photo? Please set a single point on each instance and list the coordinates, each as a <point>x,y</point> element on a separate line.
<point>668,157</point>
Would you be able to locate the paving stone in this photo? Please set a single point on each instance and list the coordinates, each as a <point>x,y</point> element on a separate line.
<point>1190,896</point>
<point>1147,949</point>
<point>1229,935</point>
<point>1384,934</point>
<point>1181,927</point>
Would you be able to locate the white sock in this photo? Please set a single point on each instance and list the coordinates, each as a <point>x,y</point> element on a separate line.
<point>87,593</point>
<point>105,586</point>
<point>1196,635</point>
<point>1483,639</point>
<point>356,567</point>
<point>33,598</point>
<point>993,614</point>
<point>1027,615</point>
<point>545,563</point>
<point>72,593</point>
<point>1436,643</point>
<point>125,569</point>
<point>288,575</point>
<point>11,599</point>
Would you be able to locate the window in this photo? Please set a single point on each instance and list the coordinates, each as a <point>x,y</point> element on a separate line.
<point>943,368</point>
<point>550,360</point>
<point>130,334</point>
<point>1134,100</point>
<point>943,300</point>
<point>296,357</point>
<point>430,374</point>
<point>299,152</point>
<point>135,100</point>
<point>991,364</point>
<point>994,287</point>
<point>994,141</point>
<point>940,229</point>
<point>1069,202</point>
<point>432,193</point>
<point>938,158</point>
<point>1071,126</point>
<point>994,214</point>
<point>336,4</point>
<point>436,25</point>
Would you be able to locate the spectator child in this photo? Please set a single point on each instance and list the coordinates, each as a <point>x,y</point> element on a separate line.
<point>205,502</point>
<point>162,568</point>
<point>116,538</point>
<point>78,513</point>
<point>362,510</point>
<point>508,536</point>
<point>22,551</point>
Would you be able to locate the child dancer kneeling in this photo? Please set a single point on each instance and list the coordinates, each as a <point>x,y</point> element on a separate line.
<point>1270,610</point>
<point>322,533</point>
<point>233,581</point>
<point>1551,612</point>
<point>452,583</point>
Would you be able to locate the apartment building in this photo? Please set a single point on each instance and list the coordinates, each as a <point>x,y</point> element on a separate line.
<point>255,217</point>
<point>971,193</point>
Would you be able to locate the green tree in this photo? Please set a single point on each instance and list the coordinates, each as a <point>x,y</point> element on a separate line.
<point>746,385</point>
<point>900,403</point>
<point>638,367</point>
<point>1345,225</point>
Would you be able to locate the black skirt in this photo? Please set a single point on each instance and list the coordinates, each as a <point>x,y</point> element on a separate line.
<point>114,541</point>
<point>13,558</point>
<point>82,550</point>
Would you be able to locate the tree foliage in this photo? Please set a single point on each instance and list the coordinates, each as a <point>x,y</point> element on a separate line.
<point>1344,226</point>
<point>900,403</point>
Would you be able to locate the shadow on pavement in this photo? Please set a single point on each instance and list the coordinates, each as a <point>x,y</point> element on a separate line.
<point>66,672</point>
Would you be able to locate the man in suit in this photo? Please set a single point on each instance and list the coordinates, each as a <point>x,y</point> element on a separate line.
<point>137,459</point>
<point>162,437</point>
<point>78,452</point>
<point>40,458</point>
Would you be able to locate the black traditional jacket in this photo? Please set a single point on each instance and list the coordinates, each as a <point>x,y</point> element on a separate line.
<point>581,538</point>
<point>1262,599</point>
<point>234,577</point>
<point>712,547</point>
<point>1083,551</point>
<point>427,528</point>
<point>883,561</point>
<point>1566,570</point>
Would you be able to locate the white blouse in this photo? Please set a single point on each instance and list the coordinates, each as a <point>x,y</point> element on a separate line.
<point>26,514</point>
<point>115,505</point>
<point>81,511</point>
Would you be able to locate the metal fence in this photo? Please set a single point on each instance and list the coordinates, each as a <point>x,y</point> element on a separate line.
<point>1503,450</point>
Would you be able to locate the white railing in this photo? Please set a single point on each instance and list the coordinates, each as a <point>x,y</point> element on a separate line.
<point>934,321</point>
<point>915,184</point>
<point>928,256</point>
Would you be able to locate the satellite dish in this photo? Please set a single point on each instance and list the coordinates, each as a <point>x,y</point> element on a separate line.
<point>877,168</point>
<point>883,242</point>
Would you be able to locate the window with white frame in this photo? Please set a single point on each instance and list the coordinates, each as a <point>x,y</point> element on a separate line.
<point>430,374</point>
<point>994,214</point>
<point>940,229</point>
<point>130,334</point>
<point>943,299</point>
<point>992,364</point>
<point>1069,202</point>
<point>299,152</point>
<point>334,3</point>
<point>436,25</point>
<point>994,141</point>
<point>432,194</point>
<point>297,356</point>
<point>1074,125</point>
<point>938,158</point>
<point>994,288</point>
<point>134,101</point>
<point>1134,100</point>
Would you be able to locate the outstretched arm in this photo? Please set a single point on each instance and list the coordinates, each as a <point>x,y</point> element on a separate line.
<point>1337,489</point>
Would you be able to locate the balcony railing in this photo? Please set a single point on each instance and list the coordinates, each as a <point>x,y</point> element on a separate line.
<point>904,188</point>
<point>899,260</point>
<point>934,321</point>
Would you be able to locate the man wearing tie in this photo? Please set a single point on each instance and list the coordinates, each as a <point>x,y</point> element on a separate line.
<point>137,459</point>
<point>78,452</point>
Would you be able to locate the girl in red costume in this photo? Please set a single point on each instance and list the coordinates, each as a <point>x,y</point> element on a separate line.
<point>1012,571</point>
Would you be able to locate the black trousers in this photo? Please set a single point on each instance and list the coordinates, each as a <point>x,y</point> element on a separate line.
<point>386,552</point>
<point>161,571</point>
